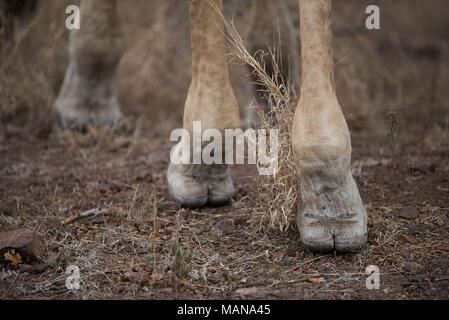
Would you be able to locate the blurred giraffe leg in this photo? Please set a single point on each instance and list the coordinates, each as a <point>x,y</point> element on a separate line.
<point>330,215</point>
<point>88,94</point>
<point>211,101</point>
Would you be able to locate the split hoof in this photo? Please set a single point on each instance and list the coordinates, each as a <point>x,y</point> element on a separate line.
<point>199,185</point>
<point>331,217</point>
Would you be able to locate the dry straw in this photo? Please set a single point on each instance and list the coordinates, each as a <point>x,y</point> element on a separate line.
<point>277,194</point>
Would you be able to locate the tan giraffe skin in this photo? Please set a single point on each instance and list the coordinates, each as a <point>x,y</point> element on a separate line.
<point>330,214</point>
<point>211,100</point>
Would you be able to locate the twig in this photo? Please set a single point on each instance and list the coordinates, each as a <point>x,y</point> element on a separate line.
<point>154,228</point>
<point>92,212</point>
<point>132,203</point>
<point>304,263</point>
<point>441,279</point>
<point>307,276</point>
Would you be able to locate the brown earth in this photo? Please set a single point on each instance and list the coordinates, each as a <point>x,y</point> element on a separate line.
<point>45,180</point>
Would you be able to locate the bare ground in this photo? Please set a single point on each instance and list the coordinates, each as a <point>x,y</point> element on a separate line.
<point>49,176</point>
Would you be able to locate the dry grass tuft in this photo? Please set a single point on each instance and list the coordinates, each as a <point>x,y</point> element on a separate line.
<point>182,258</point>
<point>278,194</point>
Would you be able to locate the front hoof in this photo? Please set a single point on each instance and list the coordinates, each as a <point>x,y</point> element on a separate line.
<point>325,237</point>
<point>331,216</point>
<point>353,238</point>
<point>317,239</point>
<point>200,185</point>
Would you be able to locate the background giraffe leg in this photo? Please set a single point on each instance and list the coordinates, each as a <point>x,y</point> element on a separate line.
<point>88,94</point>
<point>330,215</point>
<point>211,101</point>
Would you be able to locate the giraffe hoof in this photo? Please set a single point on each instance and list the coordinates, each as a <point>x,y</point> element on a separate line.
<point>334,236</point>
<point>82,123</point>
<point>331,216</point>
<point>200,185</point>
<point>86,101</point>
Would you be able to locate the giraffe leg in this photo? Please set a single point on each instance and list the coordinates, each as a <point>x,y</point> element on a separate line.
<point>211,101</point>
<point>88,94</point>
<point>330,214</point>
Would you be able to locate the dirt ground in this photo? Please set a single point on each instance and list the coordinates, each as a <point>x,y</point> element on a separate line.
<point>48,178</point>
<point>144,246</point>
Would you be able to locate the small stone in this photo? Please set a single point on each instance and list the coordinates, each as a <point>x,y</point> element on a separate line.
<point>237,205</point>
<point>241,222</point>
<point>225,226</point>
<point>414,267</point>
<point>27,242</point>
<point>286,261</point>
<point>408,213</point>
<point>252,291</point>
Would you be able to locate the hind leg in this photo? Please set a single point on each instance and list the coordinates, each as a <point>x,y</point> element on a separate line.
<point>88,94</point>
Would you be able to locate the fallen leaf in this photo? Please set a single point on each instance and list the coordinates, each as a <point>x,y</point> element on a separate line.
<point>316,280</point>
<point>14,257</point>
<point>155,235</point>
<point>85,240</point>
<point>156,276</point>
<point>224,227</point>
<point>185,282</point>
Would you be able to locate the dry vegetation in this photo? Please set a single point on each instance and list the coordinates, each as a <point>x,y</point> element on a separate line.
<point>142,245</point>
<point>277,194</point>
